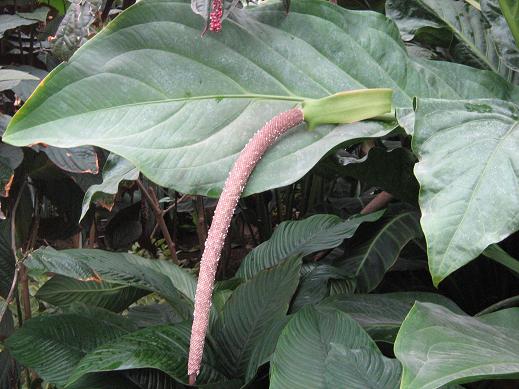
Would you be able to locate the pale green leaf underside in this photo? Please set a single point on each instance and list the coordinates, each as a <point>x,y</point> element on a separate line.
<point>180,106</point>
<point>437,347</point>
<point>468,174</point>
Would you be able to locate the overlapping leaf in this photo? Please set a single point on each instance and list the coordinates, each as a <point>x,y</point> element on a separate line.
<point>369,262</point>
<point>61,291</point>
<point>468,168</point>
<point>53,345</point>
<point>382,314</point>
<point>305,355</point>
<point>252,308</point>
<point>115,170</point>
<point>318,232</point>
<point>172,282</point>
<point>183,93</point>
<point>437,346</point>
<point>160,347</point>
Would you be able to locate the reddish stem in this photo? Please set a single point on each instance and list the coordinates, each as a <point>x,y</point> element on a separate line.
<point>234,185</point>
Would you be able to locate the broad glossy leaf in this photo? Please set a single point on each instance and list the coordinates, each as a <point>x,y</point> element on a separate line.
<point>160,347</point>
<point>369,262</point>
<point>7,261</point>
<point>318,232</point>
<point>60,291</point>
<point>9,370</point>
<point>169,280</point>
<point>382,314</point>
<point>252,308</point>
<point>25,88</point>
<point>453,24</point>
<point>9,78</point>
<point>437,347</point>
<point>361,368</point>
<point>263,350</point>
<point>189,104</point>
<point>507,47</point>
<point>53,345</point>
<point>299,360</point>
<point>468,168</point>
<point>115,170</point>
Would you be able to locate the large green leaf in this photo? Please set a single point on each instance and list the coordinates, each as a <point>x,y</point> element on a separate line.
<point>468,168</point>
<point>115,170</point>
<point>304,352</point>
<point>60,291</point>
<point>161,347</point>
<point>453,24</point>
<point>264,349</point>
<point>252,308</point>
<point>361,368</point>
<point>169,95</point>
<point>382,314</point>
<point>437,346</point>
<point>370,261</point>
<point>53,345</point>
<point>171,281</point>
<point>506,46</point>
<point>318,232</point>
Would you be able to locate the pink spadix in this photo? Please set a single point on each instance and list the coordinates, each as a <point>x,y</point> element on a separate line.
<point>231,193</point>
<point>344,107</point>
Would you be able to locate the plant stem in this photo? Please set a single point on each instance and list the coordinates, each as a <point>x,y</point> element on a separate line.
<point>380,201</point>
<point>150,196</point>
<point>201,225</point>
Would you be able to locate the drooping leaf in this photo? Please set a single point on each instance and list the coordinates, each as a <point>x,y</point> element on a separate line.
<point>503,36</point>
<point>115,170</point>
<point>455,25</point>
<point>437,347</point>
<point>232,83</point>
<point>60,291</point>
<point>160,347</point>
<point>369,262</point>
<point>25,87</point>
<point>252,308</point>
<point>468,168</point>
<point>382,314</point>
<point>7,260</point>
<point>318,232</point>
<point>39,14</point>
<point>53,345</point>
<point>9,78</point>
<point>81,159</point>
<point>8,22</point>
<point>169,280</point>
<point>361,368</point>
<point>302,351</point>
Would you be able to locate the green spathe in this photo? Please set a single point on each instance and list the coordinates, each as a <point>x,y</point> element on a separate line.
<point>347,107</point>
